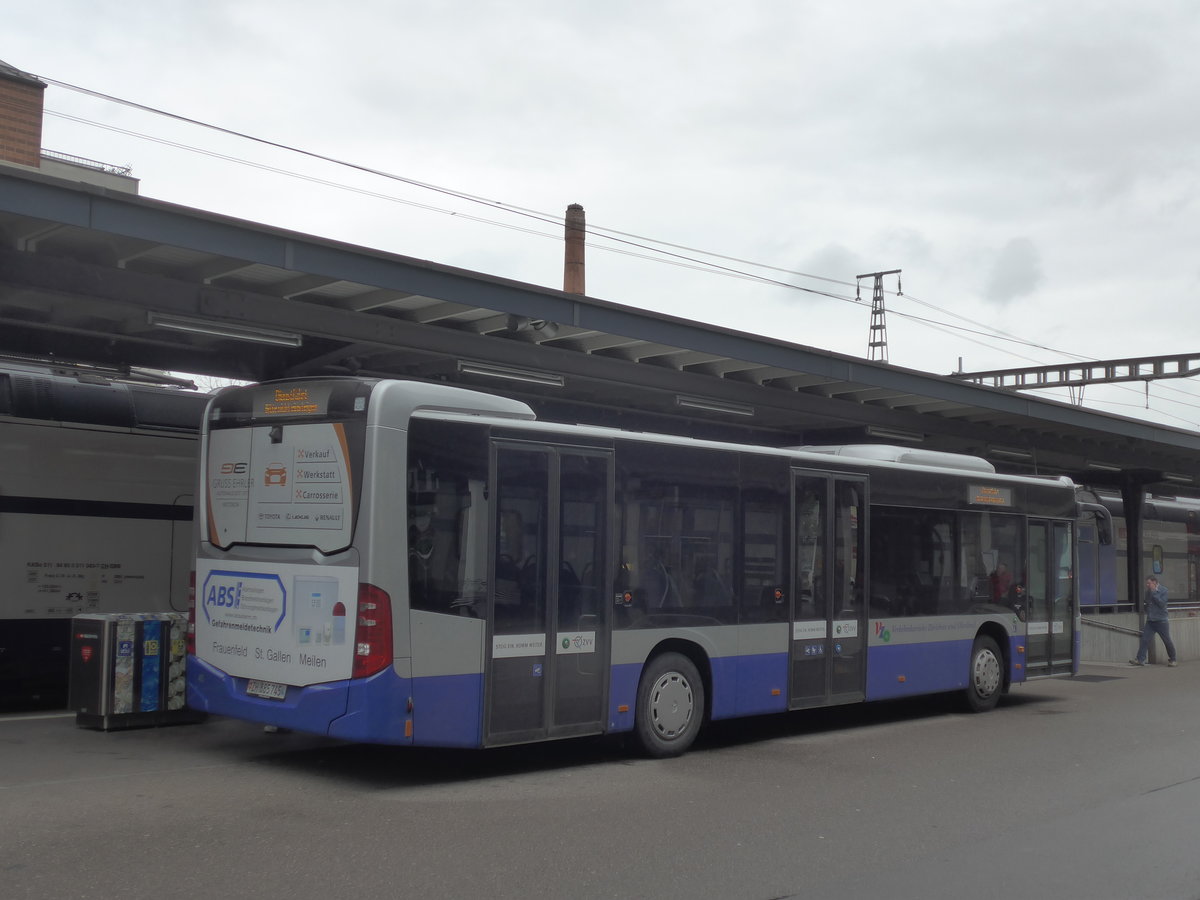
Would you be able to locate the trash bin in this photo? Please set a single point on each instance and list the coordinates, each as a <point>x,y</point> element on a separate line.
<point>127,670</point>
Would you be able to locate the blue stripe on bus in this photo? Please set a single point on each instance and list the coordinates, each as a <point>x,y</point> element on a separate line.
<point>762,685</point>
<point>1016,674</point>
<point>448,711</point>
<point>210,690</point>
<point>622,695</point>
<point>376,710</point>
<point>723,702</point>
<point>742,686</point>
<point>926,669</point>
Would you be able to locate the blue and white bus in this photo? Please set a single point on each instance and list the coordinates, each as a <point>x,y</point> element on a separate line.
<point>421,564</point>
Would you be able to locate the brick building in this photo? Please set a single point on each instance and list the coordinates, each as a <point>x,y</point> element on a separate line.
<point>22,109</point>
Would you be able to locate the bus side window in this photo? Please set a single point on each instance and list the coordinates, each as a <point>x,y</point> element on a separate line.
<point>448,516</point>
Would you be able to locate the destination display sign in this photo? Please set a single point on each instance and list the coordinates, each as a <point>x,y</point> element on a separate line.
<point>990,495</point>
<point>292,400</point>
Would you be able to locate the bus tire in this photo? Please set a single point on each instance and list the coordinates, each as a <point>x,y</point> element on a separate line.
<point>670,705</point>
<point>985,676</point>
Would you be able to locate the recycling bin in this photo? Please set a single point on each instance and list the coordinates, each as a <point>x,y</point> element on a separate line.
<point>127,670</point>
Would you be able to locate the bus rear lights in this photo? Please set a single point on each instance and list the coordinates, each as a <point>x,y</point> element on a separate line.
<point>1020,648</point>
<point>373,638</point>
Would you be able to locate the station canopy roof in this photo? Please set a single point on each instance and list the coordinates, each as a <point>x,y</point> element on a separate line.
<point>113,279</point>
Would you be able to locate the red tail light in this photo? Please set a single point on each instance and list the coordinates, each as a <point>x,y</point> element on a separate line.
<point>191,629</point>
<point>373,634</point>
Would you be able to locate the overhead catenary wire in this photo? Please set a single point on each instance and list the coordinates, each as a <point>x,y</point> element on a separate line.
<point>632,243</point>
<point>637,241</point>
<point>622,242</point>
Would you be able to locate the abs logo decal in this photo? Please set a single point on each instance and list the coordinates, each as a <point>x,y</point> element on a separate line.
<point>224,595</point>
<point>244,601</point>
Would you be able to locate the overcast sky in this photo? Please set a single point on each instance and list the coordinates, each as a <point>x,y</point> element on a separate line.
<point>1031,166</point>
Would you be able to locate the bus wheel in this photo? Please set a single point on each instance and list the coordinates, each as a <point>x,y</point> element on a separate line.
<point>670,705</point>
<point>985,680</point>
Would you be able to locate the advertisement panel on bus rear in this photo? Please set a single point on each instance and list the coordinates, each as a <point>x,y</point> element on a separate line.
<point>283,484</point>
<point>286,624</point>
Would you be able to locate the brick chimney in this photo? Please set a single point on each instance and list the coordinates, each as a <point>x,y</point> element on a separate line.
<point>575,232</point>
<point>21,103</point>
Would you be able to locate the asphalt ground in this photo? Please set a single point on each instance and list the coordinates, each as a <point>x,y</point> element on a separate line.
<point>1088,788</point>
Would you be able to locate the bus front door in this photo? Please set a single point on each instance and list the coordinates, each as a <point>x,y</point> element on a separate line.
<point>548,623</point>
<point>828,645</point>
<point>1050,600</point>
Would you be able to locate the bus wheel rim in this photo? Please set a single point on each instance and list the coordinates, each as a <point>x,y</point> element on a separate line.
<point>987,673</point>
<point>671,705</point>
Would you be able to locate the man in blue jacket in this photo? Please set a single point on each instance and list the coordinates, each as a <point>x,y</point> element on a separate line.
<point>1157,621</point>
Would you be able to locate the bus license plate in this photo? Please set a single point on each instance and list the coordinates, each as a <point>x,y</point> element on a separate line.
<point>268,689</point>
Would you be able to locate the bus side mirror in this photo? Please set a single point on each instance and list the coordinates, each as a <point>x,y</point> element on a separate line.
<point>1104,525</point>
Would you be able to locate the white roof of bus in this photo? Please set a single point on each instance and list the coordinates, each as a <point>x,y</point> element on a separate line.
<point>882,456</point>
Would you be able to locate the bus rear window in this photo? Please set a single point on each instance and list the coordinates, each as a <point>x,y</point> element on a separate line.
<point>284,484</point>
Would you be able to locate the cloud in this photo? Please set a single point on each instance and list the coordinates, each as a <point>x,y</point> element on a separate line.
<point>1017,272</point>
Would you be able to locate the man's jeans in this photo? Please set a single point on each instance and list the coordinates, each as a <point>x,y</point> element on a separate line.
<point>1163,629</point>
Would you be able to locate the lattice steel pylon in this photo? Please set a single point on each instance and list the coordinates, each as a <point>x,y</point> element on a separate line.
<point>877,338</point>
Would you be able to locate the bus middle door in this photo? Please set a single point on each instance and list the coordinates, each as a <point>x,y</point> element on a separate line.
<point>547,669</point>
<point>828,646</point>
